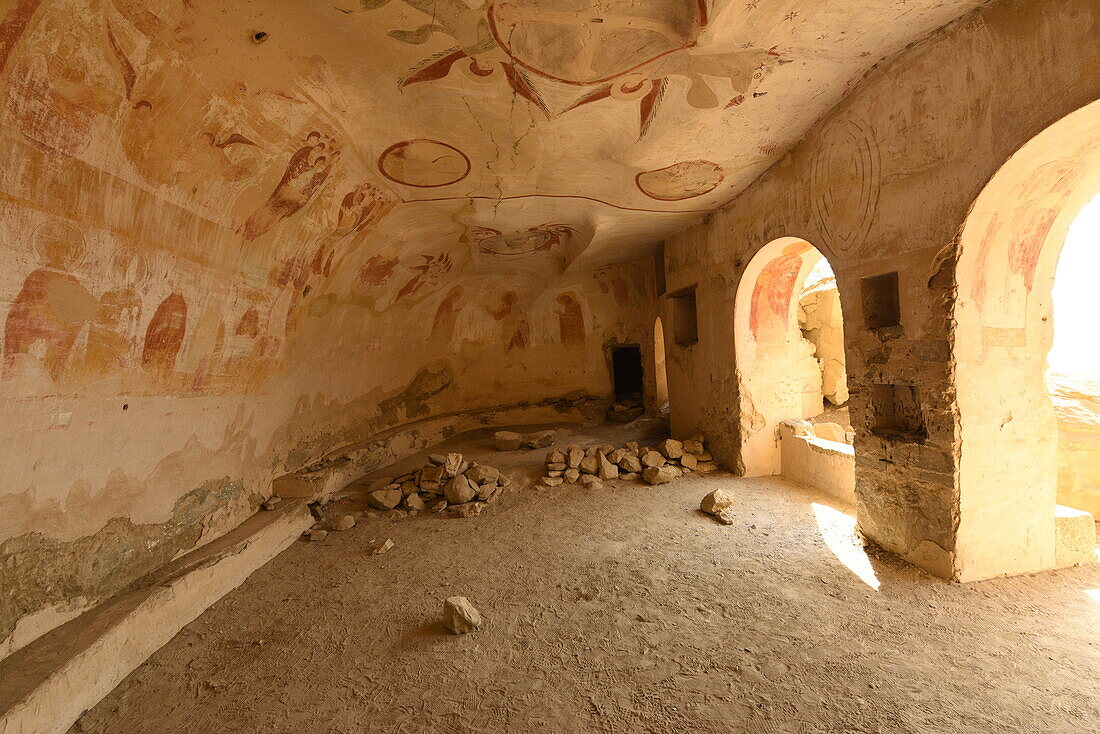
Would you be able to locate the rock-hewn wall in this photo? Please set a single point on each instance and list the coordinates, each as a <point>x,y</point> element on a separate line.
<point>882,185</point>
<point>205,285</point>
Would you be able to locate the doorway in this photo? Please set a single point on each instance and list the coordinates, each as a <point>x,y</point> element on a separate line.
<point>627,378</point>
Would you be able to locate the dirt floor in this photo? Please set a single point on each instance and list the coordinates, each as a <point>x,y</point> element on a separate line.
<point>623,610</point>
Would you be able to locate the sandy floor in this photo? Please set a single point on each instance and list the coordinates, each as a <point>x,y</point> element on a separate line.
<point>623,610</point>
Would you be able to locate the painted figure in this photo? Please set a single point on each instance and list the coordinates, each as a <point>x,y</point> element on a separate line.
<point>52,307</point>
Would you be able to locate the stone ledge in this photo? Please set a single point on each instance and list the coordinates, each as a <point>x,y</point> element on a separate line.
<point>47,685</point>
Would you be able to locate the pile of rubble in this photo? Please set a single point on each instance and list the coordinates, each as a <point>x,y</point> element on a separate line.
<point>628,409</point>
<point>668,460</point>
<point>446,481</point>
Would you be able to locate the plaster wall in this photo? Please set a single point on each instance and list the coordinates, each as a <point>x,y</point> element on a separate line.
<point>883,184</point>
<point>204,285</point>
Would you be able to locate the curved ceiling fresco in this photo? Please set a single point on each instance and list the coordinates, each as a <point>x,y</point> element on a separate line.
<point>444,132</point>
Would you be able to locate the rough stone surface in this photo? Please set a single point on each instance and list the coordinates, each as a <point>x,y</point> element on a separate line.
<point>718,500</point>
<point>385,499</point>
<point>605,469</point>
<point>670,448</point>
<point>652,458</point>
<point>507,441</point>
<point>659,474</point>
<point>459,490</point>
<point>460,616</point>
<point>631,464</point>
<point>344,522</point>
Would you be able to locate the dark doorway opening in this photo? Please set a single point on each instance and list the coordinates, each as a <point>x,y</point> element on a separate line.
<point>626,373</point>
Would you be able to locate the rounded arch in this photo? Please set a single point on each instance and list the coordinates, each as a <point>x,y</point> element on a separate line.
<point>768,348</point>
<point>1003,329</point>
<point>660,376</point>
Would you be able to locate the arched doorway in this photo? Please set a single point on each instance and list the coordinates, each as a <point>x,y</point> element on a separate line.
<point>1073,371</point>
<point>787,367</point>
<point>659,375</point>
<point>1003,328</point>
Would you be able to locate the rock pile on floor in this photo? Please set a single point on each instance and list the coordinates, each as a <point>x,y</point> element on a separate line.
<point>625,410</point>
<point>447,481</point>
<point>659,464</point>
<point>460,616</point>
<point>512,441</point>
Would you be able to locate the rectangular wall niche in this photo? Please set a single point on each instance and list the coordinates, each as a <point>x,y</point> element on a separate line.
<point>685,325</point>
<point>897,411</point>
<point>881,306</point>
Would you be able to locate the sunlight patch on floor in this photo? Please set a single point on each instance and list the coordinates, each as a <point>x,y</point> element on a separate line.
<point>839,532</point>
<point>1093,594</point>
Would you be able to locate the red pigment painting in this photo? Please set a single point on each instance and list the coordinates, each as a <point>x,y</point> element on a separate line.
<point>307,170</point>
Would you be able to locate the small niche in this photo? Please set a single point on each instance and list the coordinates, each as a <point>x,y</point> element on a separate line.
<point>881,307</point>
<point>685,325</point>
<point>897,412</point>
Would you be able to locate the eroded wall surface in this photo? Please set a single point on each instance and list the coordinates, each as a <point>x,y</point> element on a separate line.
<point>206,283</point>
<point>883,184</point>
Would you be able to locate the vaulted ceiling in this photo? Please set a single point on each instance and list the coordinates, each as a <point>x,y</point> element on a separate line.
<point>589,130</point>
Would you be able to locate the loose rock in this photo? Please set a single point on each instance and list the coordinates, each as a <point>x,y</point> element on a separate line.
<point>716,501</point>
<point>317,535</point>
<point>659,474</point>
<point>507,441</point>
<point>671,448</point>
<point>606,469</point>
<point>344,522</point>
<point>460,616</point>
<point>385,499</point>
<point>459,490</point>
<point>382,547</point>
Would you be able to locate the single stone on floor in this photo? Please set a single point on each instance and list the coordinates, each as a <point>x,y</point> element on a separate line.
<point>381,547</point>
<point>671,448</point>
<point>344,522</point>
<point>460,616</point>
<point>716,501</point>
<point>316,535</point>
<point>460,490</point>
<point>507,441</point>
